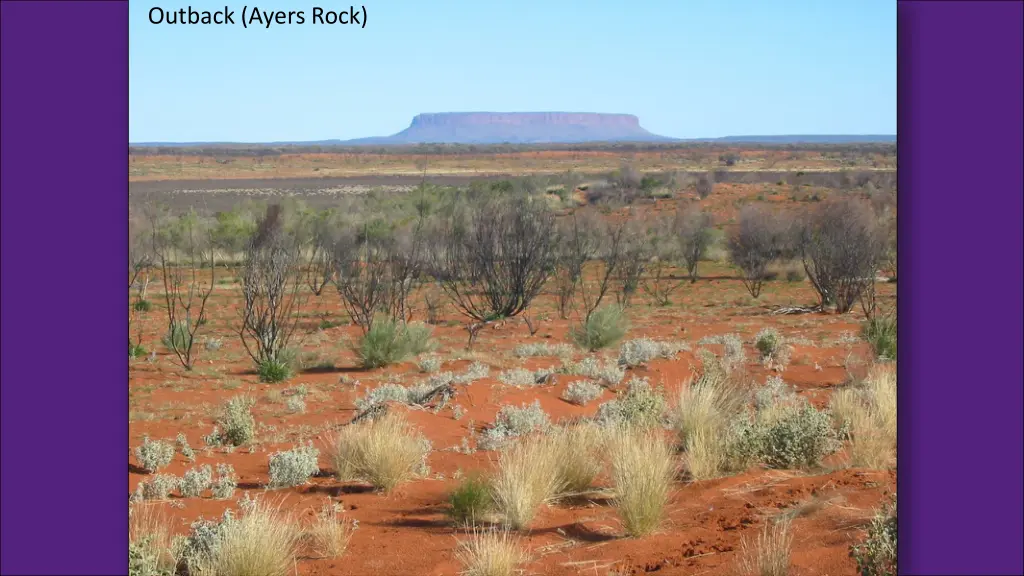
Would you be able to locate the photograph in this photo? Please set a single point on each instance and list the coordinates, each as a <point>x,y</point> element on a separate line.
<point>492,289</point>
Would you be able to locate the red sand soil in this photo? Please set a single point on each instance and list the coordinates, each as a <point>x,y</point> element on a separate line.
<point>407,533</point>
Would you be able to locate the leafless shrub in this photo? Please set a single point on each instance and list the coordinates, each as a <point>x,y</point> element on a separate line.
<point>270,280</point>
<point>575,247</point>
<point>185,256</point>
<point>361,275</point>
<point>756,242</point>
<point>841,247</point>
<point>592,238</point>
<point>433,301</point>
<point>141,258</point>
<point>376,273</point>
<point>140,255</point>
<point>705,185</point>
<point>497,258</point>
<point>635,251</point>
<point>659,283</point>
<point>729,158</point>
<point>314,231</point>
<point>627,182</point>
<point>693,228</point>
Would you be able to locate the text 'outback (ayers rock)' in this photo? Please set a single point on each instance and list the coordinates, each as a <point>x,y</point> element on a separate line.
<point>520,128</point>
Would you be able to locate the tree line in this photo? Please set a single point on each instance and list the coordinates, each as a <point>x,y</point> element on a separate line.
<point>488,254</point>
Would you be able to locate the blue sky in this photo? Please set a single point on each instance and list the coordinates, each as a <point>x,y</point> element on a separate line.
<point>687,68</point>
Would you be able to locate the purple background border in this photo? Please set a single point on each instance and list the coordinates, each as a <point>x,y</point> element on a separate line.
<point>64,78</point>
<point>63,428</point>
<point>960,175</point>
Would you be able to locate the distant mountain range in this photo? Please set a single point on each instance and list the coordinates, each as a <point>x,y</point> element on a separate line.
<point>542,128</point>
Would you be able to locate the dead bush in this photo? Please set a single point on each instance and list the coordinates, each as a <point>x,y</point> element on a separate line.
<point>497,257</point>
<point>840,245</point>
<point>694,233</point>
<point>270,280</point>
<point>757,241</point>
<point>705,185</point>
<point>184,254</point>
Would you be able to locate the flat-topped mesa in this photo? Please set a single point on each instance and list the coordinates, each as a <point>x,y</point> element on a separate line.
<point>523,127</point>
<point>526,118</point>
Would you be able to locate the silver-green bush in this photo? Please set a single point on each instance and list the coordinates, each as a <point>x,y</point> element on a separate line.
<point>293,467</point>
<point>226,482</point>
<point>154,454</point>
<point>640,351</point>
<point>513,421</point>
<point>235,424</point>
<point>582,392</point>
<point>876,556</point>
<point>640,405</point>
<point>196,481</point>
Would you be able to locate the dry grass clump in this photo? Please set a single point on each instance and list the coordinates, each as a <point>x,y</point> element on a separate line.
<point>329,533</point>
<point>529,475</point>
<point>261,542</point>
<point>706,456</point>
<point>701,417</point>
<point>150,546</point>
<point>868,416</point>
<point>579,448</point>
<point>642,470</point>
<point>769,555</point>
<point>491,553</point>
<point>881,382</point>
<point>384,452</point>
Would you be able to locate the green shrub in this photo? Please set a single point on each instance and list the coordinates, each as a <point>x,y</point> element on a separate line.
<point>136,350</point>
<point>767,342</point>
<point>142,306</point>
<point>603,328</point>
<point>272,371</point>
<point>327,324</point>
<point>470,500</point>
<point>876,556</point>
<point>388,342</point>
<point>417,338</point>
<point>881,333</point>
<point>177,336</point>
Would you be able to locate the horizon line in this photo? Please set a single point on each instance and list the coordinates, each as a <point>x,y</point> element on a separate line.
<point>667,139</point>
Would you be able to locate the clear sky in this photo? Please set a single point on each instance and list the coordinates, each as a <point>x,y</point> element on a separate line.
<point>686,68</point>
